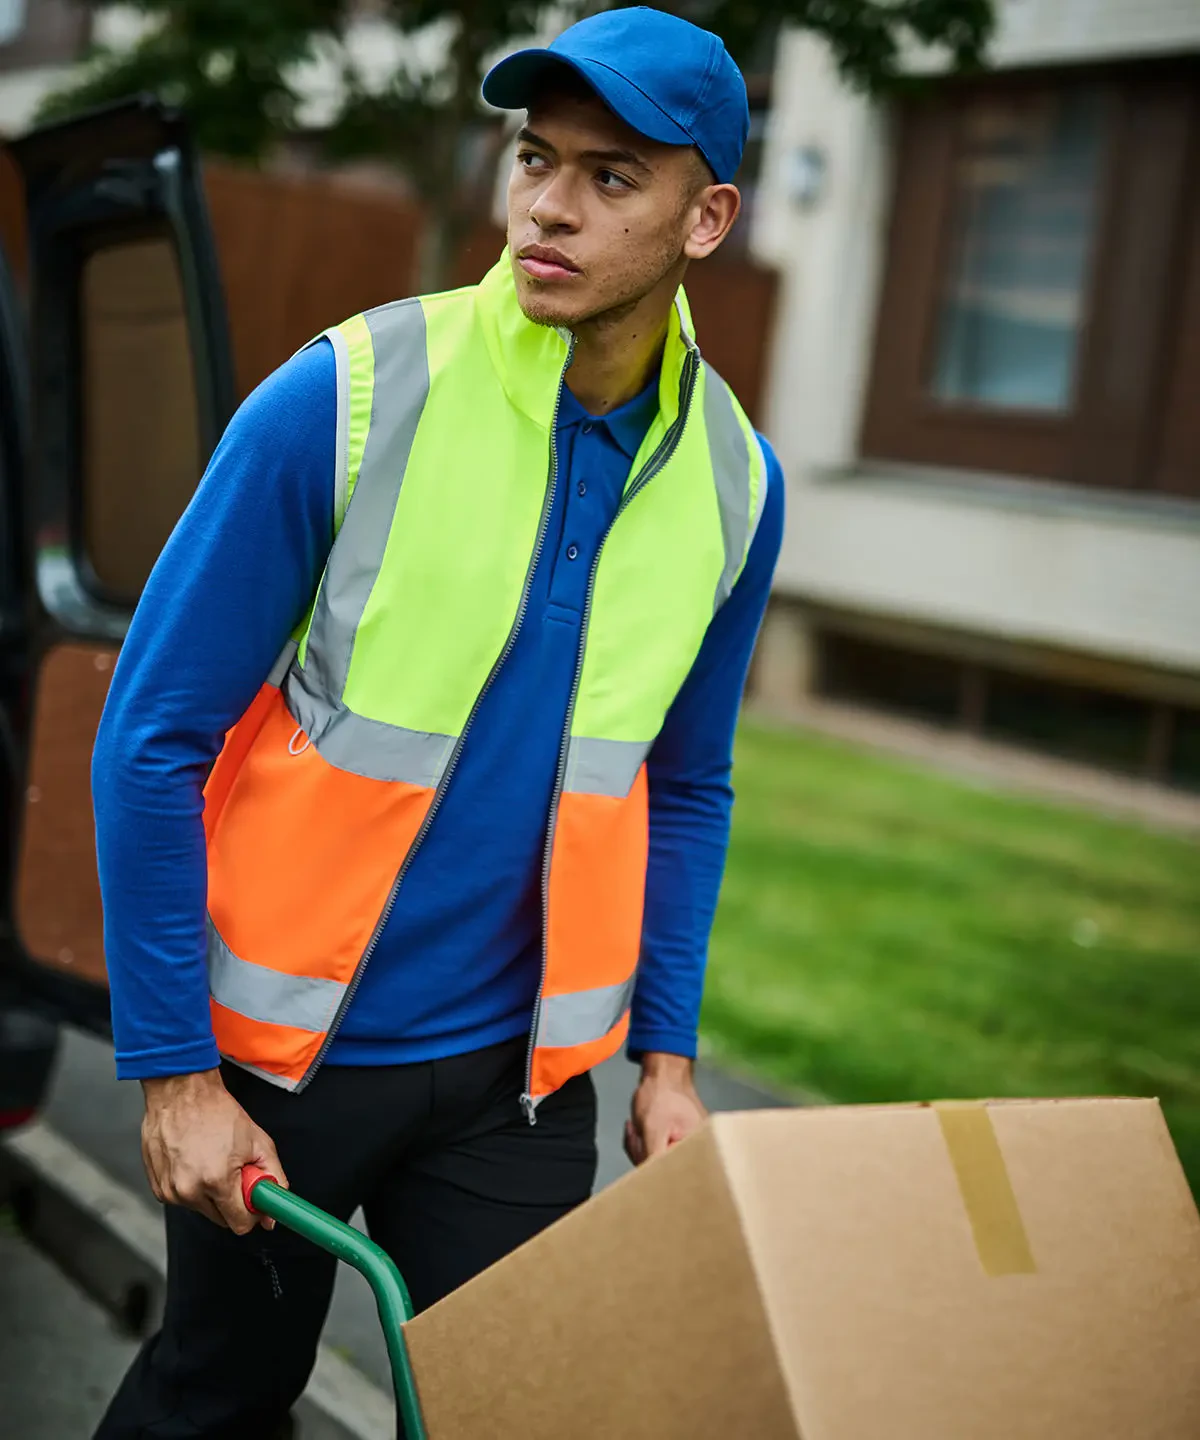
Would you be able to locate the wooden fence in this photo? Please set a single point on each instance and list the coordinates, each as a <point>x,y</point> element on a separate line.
<point>298,254</point>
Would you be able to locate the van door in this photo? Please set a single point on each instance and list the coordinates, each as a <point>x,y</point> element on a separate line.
<point>130,384</point>
<point>14,575</point>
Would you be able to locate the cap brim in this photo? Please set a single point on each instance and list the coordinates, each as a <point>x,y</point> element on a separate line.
<point>514,83</point>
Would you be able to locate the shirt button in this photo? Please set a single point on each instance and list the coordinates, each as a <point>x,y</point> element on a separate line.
<point>572,552</point>
<point>582,487</point>
<point>587,427</point>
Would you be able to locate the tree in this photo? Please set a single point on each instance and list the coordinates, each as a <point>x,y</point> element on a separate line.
<point>233,67</point>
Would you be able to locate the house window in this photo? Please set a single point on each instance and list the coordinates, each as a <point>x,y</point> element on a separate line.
<point>1023,207</point>
<point>1076,721</point>
<point>12,20</point>
<point>908,682</point>
<point>1042,285</point>
<point>922,678</point>
<point>42,32</point>
<point>1185,752</point>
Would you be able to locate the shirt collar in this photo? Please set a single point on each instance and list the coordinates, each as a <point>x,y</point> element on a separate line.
<point>627,424</point>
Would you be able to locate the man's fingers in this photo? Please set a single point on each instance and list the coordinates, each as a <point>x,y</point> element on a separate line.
<point>657,1139</point>
<point>233,1211</point>
<point>256,1149</point>
<point>267,1157</point>
<point>194,1192</point>
<point>211,1210</point>
<point>230,1197</point>
<point>151,1168</point>
<point>652,1129</point>
<point>633,1143</point>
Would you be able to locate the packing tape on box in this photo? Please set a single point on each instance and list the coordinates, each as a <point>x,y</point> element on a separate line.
<point>986,1189</point>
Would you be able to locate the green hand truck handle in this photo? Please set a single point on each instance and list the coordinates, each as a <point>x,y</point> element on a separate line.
<point>265,1196</point>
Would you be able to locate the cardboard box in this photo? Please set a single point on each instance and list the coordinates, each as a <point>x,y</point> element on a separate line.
<point>1015,1270</point>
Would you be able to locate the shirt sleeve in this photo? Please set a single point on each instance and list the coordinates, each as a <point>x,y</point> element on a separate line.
<point>232,582</point>
<point>691,800</point>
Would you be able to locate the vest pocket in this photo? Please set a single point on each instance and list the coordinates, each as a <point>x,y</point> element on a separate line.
<point>300,868</point>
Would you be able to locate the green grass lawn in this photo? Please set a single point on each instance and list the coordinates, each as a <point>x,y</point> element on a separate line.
<point>887,933</point>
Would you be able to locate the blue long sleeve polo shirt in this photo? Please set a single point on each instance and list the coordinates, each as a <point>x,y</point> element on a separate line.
<point>458,961</point>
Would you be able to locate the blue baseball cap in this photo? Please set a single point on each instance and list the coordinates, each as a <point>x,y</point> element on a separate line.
<point>666,78</point>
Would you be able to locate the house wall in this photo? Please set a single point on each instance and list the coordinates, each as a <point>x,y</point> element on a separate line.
<point>1049,565</point>
<point>1041,32</point>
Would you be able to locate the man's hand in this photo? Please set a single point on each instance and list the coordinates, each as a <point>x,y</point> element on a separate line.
<point>195,1140</point>
<point>665,1109</point>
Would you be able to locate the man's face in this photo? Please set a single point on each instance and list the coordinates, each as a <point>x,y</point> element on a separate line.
<point>597,214</point>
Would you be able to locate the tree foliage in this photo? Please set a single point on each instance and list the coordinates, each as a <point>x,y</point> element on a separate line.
<point>229,64</point>
<point>234,67</point>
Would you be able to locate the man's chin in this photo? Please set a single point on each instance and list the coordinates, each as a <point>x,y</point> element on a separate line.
<point>545,309</point>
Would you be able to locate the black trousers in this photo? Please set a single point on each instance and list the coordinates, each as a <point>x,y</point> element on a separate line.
<point>450,1175</point>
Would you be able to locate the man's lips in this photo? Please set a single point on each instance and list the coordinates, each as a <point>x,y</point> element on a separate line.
<point>543,267</point>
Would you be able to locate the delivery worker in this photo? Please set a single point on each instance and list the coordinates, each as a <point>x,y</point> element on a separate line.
<point>412,789</point>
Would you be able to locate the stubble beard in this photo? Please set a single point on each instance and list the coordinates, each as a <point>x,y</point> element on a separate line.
<point>541,310</point>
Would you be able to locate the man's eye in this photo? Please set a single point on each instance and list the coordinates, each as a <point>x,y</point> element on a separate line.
<point>530,159</point>
<point>610,180</point>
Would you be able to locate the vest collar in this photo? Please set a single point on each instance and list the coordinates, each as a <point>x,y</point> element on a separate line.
<point>529,358</point>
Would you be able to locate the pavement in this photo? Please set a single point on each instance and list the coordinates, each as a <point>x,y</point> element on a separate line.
<point>60,1355</point>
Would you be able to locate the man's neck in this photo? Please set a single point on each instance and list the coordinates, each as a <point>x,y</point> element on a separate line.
<point>617,354</point>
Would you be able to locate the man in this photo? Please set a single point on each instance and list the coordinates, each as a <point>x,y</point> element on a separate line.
<point>472,583</point>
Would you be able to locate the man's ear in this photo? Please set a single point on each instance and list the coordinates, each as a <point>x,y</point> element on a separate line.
<point>715,210</point>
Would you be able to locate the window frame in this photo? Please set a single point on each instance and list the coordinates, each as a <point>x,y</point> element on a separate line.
<point>1126,410</point>
<point>125,172</point>
<point>55,32</point>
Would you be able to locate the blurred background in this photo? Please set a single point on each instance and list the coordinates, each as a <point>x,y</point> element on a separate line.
<point>963,304</point>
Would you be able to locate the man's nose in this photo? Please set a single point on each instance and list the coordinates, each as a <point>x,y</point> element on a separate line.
<point>555,207</point>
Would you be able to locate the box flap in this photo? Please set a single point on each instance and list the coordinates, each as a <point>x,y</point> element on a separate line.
<point>903,1304</point>
<point>638,1315</point>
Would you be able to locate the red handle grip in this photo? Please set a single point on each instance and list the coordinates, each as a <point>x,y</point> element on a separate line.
<point>251,1175</point>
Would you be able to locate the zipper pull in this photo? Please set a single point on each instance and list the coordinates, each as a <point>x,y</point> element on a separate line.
<point>292,742</point>
<point>529,1105</point>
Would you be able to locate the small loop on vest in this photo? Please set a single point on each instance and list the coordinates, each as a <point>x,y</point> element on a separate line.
<point>292,742</point>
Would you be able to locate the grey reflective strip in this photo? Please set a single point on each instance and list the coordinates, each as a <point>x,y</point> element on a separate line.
<point>583,1015</point>
<point>684,332</point>
<point>603,767</point>
<point>760,500</point>
<point>301,1001</point>
<point>402,384</point>
<point>341,458</point>
<point>283,664</point>
<point>361,746</point>
<point>731,474</point>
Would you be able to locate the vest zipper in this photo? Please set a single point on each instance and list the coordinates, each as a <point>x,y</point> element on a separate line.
<point>447,774</point>
<point>666,447</point>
